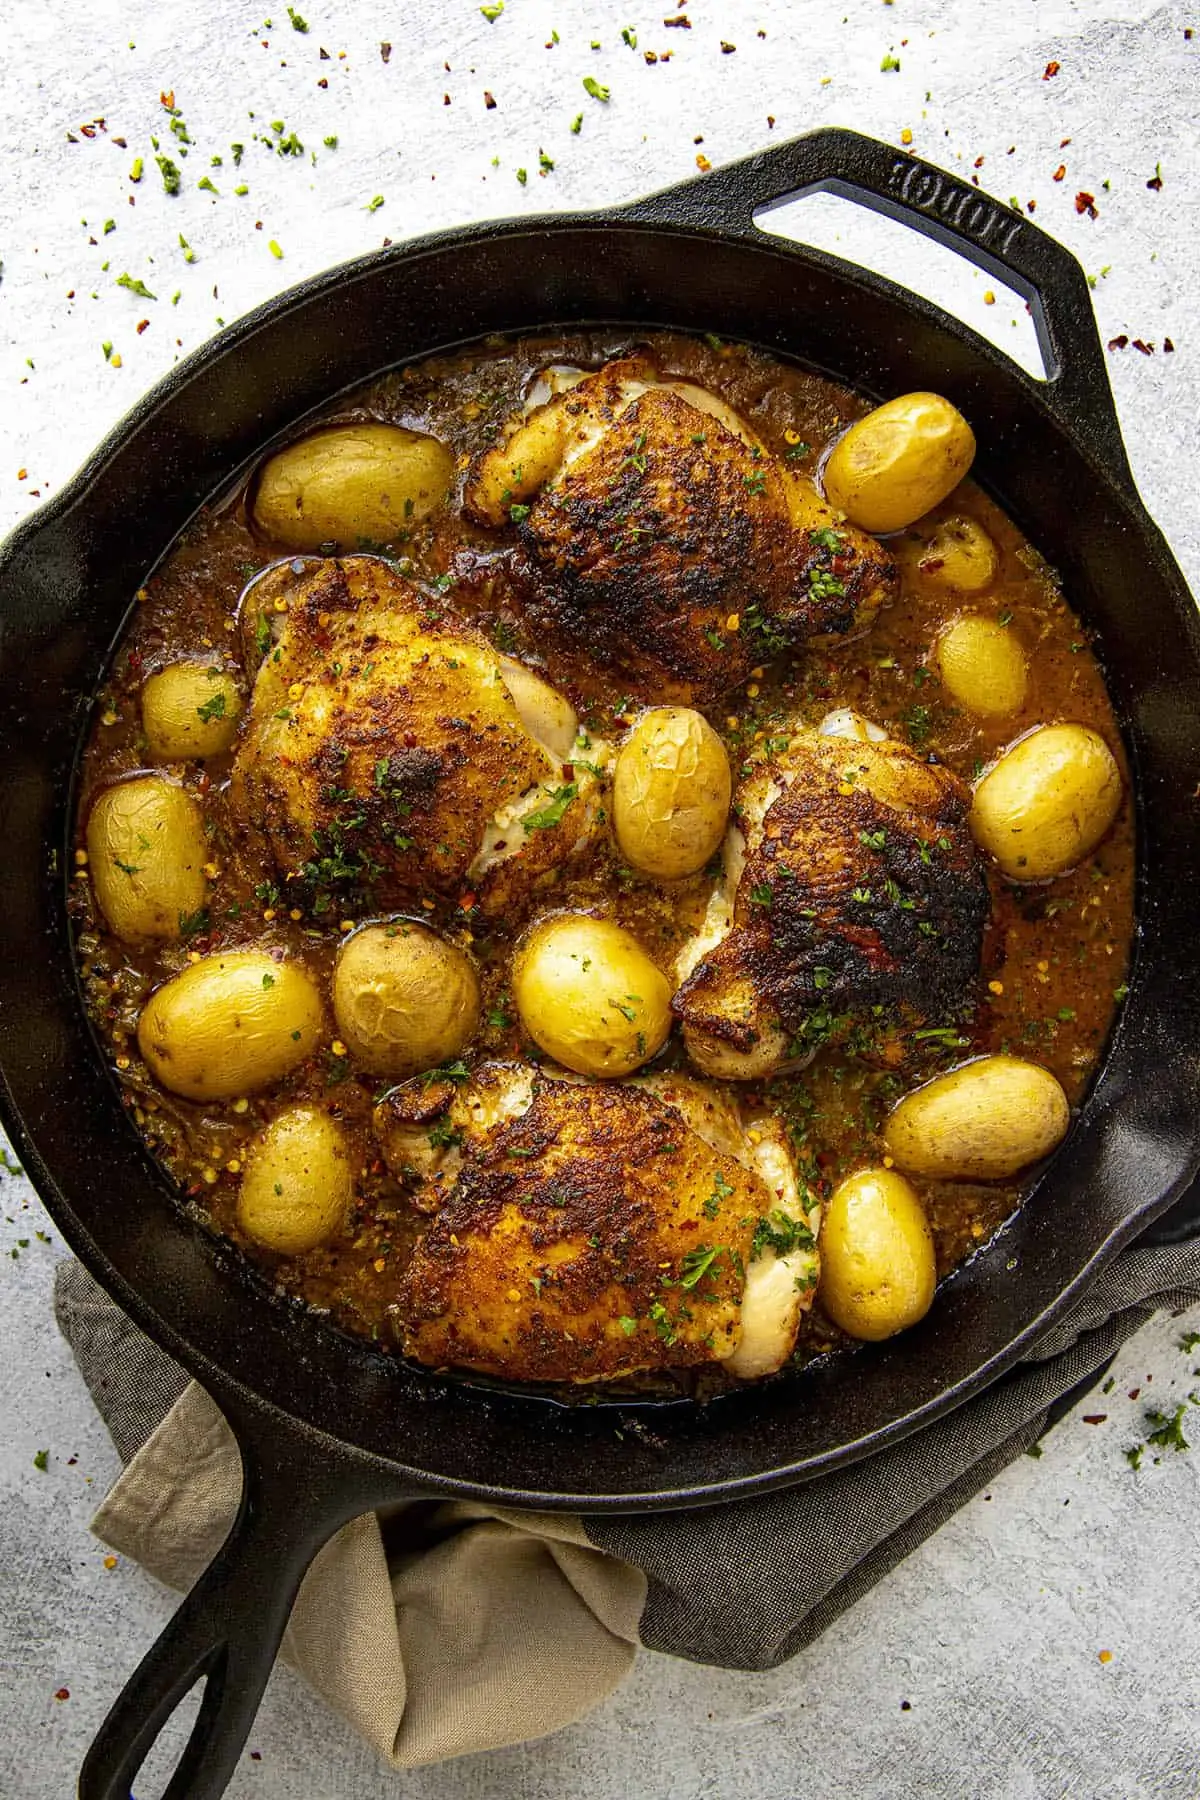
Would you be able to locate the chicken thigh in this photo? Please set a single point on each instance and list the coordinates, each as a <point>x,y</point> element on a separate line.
<point>585,1231</point>
<point>389,750</point>
<point>850,881</point>
<point>660,540</point>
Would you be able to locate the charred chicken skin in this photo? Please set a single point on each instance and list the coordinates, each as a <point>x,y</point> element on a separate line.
<point>660,541</point>
<point>586,1231</point>
<point>389,749</point>
<point>850,881</point>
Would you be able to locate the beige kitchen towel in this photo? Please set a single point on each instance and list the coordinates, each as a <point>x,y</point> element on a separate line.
<point>437,1629</point>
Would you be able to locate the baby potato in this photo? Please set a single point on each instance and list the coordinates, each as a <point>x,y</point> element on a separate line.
<point>190,709</point>
<point>984,1121</point>
<point>899,461</point>
<point>1047,802</point>
<point>404,998</point>
<point>298,1185</point>
<point>670,796</point>
<point>348,483</point>
<point>959,555</point>
<point>981,665</point>
<point>590,996</point>
<point>878,1270</point>
<point>232,1023</point>
<point>146,853</point>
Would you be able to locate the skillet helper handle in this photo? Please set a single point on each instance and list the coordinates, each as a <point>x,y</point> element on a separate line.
<point>228,1629</point>
<point>994,237</point>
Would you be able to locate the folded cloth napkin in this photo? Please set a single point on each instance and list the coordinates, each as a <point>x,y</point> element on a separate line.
<point>441,1628</point>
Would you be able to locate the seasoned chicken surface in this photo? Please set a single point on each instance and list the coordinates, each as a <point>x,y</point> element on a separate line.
<point>587,1231</point>
<point>660,540</point>
<point>850,881</point>
<point>388,748</point>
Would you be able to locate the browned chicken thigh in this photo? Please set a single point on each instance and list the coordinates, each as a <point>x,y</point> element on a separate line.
<point>388,749</point>
<point>591,1230</point>
<point>851,881</point>
<point>660,540</point>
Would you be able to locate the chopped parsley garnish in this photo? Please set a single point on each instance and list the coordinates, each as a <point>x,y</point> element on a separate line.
<point>552,814</point>
<point>169,172</point>
<point>661,1320</point>
<point>762,894</point>
<point>135,286</point>
<point>826,536</point>
<point>698,1263</point>
<point>595,88</point>
<point>628,1325</point>
<point>778,1231</point>
<point>212,709</point>
<point>874,840</point>
<point>445,1136</point>
<point>518,513</point>
<point>191,924</point>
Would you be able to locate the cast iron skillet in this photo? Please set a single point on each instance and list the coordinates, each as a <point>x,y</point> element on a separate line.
<point>327,1428</point>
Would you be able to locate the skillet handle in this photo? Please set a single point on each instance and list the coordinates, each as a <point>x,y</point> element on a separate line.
<point>996,238</point>
<point>228,1628</point>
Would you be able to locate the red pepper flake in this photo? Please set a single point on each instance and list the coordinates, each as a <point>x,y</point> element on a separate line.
<point>1145,348</point>
<point>141,326</point>
<point>727,49</point>
<point>1155,182</point>
<point>978,163</point>
<point>680,22</point>
<point>650,56</point>
<point>702,162</point>
<point>1134,1392</point>
<point>22,474</point>
<point>1059,172</point>
<point>71,138</point>
<point>1031,206</point>
<point>1050,71</point>
<point>323,56</point>
<point>1168,347</point>
<point>1086,203</point>
<point>1063,142</point>
<point>121,144</point>
<point>323,82</point>
<point>167,100</point>
<point>445,99</point>
<point>63,1694</point>
<point>256,1756</point>
<point>1094,1418</point>
<point>88,131</point>
<point>771,121</point>
<point>1120,343</point>
<point>385,51</point>
<point>488,101</point>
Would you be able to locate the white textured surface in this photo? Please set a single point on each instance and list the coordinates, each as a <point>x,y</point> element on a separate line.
<point>992,1632</point>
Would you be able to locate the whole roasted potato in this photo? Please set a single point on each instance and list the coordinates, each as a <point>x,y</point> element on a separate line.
<point>146,852</point>
<point>984,1121</point>
<point>959,555</point>
<point>982,665</point>
<point>899,461</point>
<point>298,1182</point>
<point>878,1270</point>
<point>670,796</point>
<point>350,484</point>
<point>404,998</point>
<point>232,1023</point>
<point>190,709</point>
<point>590,996</point>
<point>1047,802</point>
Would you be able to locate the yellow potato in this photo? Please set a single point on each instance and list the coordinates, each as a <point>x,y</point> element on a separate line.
<point>670,796</point>
<point>984,1121</point>
<point>590,996</point>
<point>982,665</point>
<point>877,1263</point>
<point>190,709</point>
<point>350,484</point>
<point>960,556</point>
<point>146,852</point>
<point>899,461</point>
<point>404,998</point>
<point>1047,802</point>
<point>298,1185</point>
<point>232,1023</point>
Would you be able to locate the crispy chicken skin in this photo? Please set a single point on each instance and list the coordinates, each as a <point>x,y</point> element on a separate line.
<point>658,538</point>
<point>388,748</point>
<point>574,1224</point>
<point>850,881</point>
